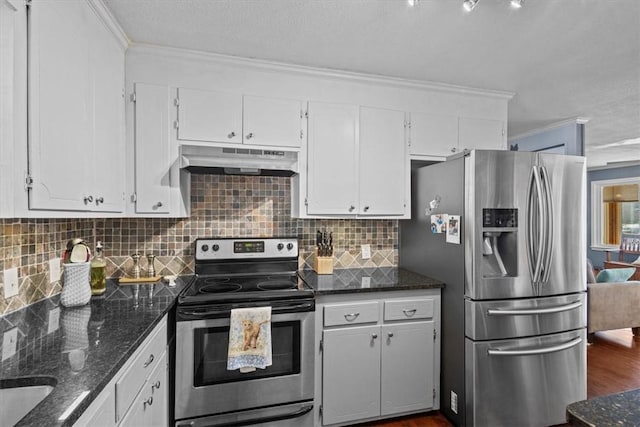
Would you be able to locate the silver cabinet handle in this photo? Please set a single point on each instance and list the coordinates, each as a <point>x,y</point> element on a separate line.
<point>155,386</point>
<point>88,199</point>
<point>350,317</point>
<point>535,351</point>
<point>159,204</point>
<point>374,336</point>
<point>366,208</point>
<point>454,149</point>
<point>99,200</point>
<point>231,135</point>
<point>390,334</point>
<point>533,311</point>
<point>250,135</point>
<point>351,208</point>
<point>146,402</point>
<point>149,361</point>
<point>409,312</point>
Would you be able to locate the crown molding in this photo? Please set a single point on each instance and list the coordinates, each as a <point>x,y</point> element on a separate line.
<point>110,21</point>
<point>615,165</point>
<point>576,120</point>
<point>264,65</point>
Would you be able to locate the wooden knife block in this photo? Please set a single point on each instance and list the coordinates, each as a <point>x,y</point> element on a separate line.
<point>322,264</point>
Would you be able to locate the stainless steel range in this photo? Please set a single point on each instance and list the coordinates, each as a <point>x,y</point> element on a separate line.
<point>240,273</point>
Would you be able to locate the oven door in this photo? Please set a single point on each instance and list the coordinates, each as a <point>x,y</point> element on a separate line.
<point>204,386</point>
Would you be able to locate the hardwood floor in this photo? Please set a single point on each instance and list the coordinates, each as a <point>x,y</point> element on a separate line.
<point>613,366</point>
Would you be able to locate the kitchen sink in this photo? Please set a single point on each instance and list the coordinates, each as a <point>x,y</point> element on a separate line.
<point>18,396</point>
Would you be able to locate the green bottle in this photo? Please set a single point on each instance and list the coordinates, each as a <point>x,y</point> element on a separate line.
<point>98,271</point>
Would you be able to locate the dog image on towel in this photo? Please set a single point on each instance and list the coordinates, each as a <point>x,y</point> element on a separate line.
<point>249,339</point>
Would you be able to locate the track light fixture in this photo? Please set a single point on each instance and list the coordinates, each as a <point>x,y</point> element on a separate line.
<point>468,5</point>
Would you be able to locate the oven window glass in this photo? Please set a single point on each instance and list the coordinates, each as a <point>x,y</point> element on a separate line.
<point>210,355</point>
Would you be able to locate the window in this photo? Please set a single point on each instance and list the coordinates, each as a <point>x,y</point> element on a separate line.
<point>615,207</point>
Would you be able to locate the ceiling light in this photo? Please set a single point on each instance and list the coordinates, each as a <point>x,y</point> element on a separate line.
<point>516,4</point>
<point>412,2</point>
<point>468,5</point>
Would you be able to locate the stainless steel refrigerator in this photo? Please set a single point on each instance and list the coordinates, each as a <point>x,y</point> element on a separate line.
<point>514,302</point>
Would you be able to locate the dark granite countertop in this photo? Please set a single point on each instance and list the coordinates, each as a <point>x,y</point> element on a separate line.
<point>80,349</point>
<point>620,409</point>
<point>357,280</point>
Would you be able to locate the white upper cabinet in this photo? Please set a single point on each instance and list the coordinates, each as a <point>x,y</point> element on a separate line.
<point>481,133</point>
<point>433,134</point>
<point>383,162</point>
<point>332,159</point>
<point>222,117</point>
<point>209,116</point>
<point>443,135</point>
<point>357,163</point>
<point>76,110</point>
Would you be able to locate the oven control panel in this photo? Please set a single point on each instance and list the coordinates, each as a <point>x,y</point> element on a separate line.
<point>210,249</point>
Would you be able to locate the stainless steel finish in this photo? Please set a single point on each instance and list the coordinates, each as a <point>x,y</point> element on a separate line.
<point>88,199</point>
<point>231,135</point>
<point>250,135</point>
<point>292,415</point>
<point>240,395</point>
<point>513,390</point>
<point>159,204</point>
<point>352,208</point>
<point>390,334</point>
<point>548,241</point>
<point>208,159</point>
<point>409,312</point>
<point>501,319</point>
<point>350,317</point>
<point>374,336</point>
<point>226,248</point>
<point>135,270</point>
<point>535,351</point>
<point>149,360</point>
<point>366,208</point>
<point>99,200</point>
<point>148,401</point>
<point>151,268</point>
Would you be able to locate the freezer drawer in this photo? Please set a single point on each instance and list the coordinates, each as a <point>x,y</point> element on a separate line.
<point>525,382</point>
<point>490,320</point>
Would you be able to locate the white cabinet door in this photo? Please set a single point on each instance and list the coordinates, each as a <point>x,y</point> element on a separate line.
<point>407,372</point>
<point>153,162</point>
<point>60,109</point>
<point>149,407</point>
<point>382,162</point>
<point>433,134</point>
<point>482,134</point>
<point>101,412</point>
<point>332,185</point>
<point>271,121</point>
<point>209,116</point>
<point>350,374</point>
<point>107,60</point>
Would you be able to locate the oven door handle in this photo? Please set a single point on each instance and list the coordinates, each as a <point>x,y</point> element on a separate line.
<point>275,310</point>
<point>279,417</point>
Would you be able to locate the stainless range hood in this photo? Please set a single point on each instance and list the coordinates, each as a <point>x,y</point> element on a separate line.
<point>237,161</point>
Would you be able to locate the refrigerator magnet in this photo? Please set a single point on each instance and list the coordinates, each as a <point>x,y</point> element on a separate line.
<point>453,229</point>
<point>438,223</point>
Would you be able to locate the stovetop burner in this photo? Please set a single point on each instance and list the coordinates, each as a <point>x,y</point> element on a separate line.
<point>271,285</point>
<point>213,286</point>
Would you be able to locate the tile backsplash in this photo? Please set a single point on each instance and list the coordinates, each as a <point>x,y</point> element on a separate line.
<point>221,206</point>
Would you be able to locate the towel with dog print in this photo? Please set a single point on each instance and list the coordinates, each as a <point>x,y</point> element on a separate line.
<point>249,339</point>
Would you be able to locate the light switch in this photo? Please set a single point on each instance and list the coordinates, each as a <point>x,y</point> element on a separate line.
<point>9,343</point>
<point>54,270</point>
<point>10,282</point>
<point>366,251</point>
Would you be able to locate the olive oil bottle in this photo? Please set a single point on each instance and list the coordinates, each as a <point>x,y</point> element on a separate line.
<point>98,271</point>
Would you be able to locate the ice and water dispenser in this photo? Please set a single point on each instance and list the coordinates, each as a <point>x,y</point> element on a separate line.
<point>499,242</point>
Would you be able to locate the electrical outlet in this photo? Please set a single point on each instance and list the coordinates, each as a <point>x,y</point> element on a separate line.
<point>54,320</point>
<point>10,282</point>
<point>54,270</point>
<point>454,402</point>
<point>366,251</point>
<point>366,282</point>
<point>9,343</point>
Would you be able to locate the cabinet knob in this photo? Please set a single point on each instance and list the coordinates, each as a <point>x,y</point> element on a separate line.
<point>149,361</point>
<point>390,334</point>
<point>159,204</point>
<point>99,200</point>
<point>351,208</point>
<point>250,135</point>
<point>366,208</point>
<point>155,386</point>
<point>88,199</point>
<point>454,149</point>
<point>374,336</point>
<point>146,402</point>
<point>231,135</point>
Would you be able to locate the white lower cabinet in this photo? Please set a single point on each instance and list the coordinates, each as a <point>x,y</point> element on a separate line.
<point>379,358</point>
<point>138,394</point>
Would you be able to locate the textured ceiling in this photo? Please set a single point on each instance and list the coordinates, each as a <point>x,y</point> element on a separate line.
<point>563,58</point>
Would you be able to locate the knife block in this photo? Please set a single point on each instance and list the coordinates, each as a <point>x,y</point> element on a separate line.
<point>322,264</point>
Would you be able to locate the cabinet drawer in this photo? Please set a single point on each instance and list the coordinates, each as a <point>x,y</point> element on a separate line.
<point>143,364</point>
<point>408,309</point>
<point>350,314</point>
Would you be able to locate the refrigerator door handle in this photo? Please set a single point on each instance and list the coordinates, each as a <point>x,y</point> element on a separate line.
<point>535,351</point>
<point>534,311</point>
<point>548,240</point>
<point>536,224</point>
